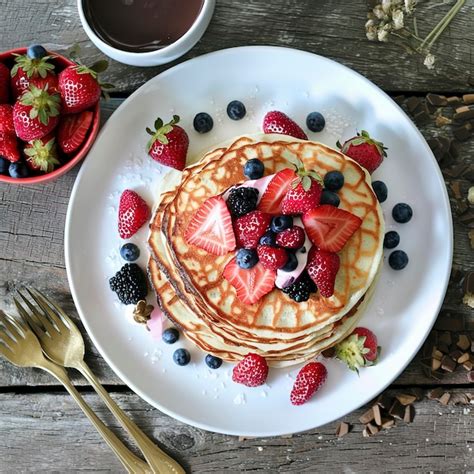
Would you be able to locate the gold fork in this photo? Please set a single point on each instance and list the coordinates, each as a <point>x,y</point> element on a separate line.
<point>21,347</point>
<point>63,344</point>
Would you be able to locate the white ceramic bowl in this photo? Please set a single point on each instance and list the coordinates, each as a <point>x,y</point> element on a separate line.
<point>160,56</point>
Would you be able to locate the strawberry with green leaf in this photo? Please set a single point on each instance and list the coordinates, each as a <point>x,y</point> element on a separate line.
<point>80,88</point>
<point>305,191</point>
<point>32,71</point>
<point>41,155</point>
<point>36,113</point>
<point>169,143</point>
<point>365,150</point>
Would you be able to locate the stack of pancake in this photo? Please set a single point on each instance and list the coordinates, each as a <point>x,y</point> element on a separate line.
<point>188,280</point>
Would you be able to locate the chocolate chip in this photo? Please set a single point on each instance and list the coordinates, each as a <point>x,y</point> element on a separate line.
<point>456,354</point>
<point>463,358</point>
<point>463,341</point>
<point>413,103</point>
<point>468,99</point>
<point>436,99</point>
<point>435,364</point>
<point>422,117</point>
<point>385,401</point>
<point>397,410</point>
<point>444,399</point>
<point>377,414</point>
<point>399,99</point>
<point>373,429</point>
<point>456,189</point>
<point>468,365</point>
<point>453,101</point>
<point>448,364</point>
<point>367,417</point>
<point>467,219</point>
<point>445,336</point>
<point>464,132</point>
<point>409,414</point>
<point>406,398</point>
<point>464,113</point>
<point>436,393</point>
<point>388,423</point>
<point>342,429</point>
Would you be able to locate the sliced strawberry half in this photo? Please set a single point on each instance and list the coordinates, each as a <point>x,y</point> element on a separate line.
<point>280,184</point>
<point>73,129</point>
<point>250,284</point>
<point>330,228</point>
<point>211,227</point>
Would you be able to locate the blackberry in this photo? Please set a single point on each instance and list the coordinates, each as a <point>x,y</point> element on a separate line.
<point>130,284</point>
<point>242,200</point>
<point>301,289</point>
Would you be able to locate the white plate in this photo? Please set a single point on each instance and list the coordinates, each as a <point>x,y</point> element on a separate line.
<point>405,304</point>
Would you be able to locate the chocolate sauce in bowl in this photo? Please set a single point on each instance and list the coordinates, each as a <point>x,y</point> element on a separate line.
<point>141,25</point>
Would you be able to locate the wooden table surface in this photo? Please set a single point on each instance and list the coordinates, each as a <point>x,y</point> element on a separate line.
<point>42,430</point>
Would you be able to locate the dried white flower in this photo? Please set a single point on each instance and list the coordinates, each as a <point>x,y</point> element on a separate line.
<point>379,13</point>
<point>382,33</point>
<point>429,61</point>
<point>387,5</point>
<point>410,6</point>
<point>397,19</point>
<point>371,30</point>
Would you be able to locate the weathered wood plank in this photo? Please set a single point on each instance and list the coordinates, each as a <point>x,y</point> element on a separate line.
<point>31,252</point>
<point>47,432</point>
<point>334,29</point>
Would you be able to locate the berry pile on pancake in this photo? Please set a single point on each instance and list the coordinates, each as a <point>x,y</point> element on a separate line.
<point>269,246</point>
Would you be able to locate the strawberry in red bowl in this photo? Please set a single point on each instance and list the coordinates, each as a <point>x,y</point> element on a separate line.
<point>44,129</point>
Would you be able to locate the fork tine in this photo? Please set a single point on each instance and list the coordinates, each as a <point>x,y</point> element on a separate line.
<point>45,305</point>
<point>10,324</point>
<point>42,316</point>
<point>59,311</point>
<point>30,319</point>
<point>6,351</point>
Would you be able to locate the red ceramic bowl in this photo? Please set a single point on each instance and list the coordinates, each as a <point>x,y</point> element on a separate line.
<point>61,63</point>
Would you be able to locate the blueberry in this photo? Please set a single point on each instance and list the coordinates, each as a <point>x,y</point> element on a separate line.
<point>328,197</point>
<point>280,223</point>
<point>402,213</point>
<point>268,238</point>
<point>254,169</point>
<point>380,190</point>
<point>213,362</point>
<point>334,180</point>
<point>203,123</point>
<point>170,335</point>
<point>291,263</point>
<point>18,170</point>
<point>4,164</point>
<point>36,51</point>
<point>391,240</point>
<point>129,252</point>
<point>398,259</point>
<point>315,122</point>
<point>181,356</point>
<point>236,110</point>
<point>247,258</point>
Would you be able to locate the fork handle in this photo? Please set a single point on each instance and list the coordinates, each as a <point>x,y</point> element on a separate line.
<point>159,461</point>
<point>132,463</point>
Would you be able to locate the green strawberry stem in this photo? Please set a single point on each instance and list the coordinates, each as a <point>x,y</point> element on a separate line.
<point>43,104</point>
<point>32,67</point>
<point>304,176</point>
<point>161,130</point>
<point>43,156</point>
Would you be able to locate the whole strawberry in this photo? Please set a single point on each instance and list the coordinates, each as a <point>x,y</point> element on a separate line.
<point>249,228</point>
<point>133,213</point>
<point>368,152</point>
<point>38,71</point>
<point>308,381</point>
<point>79,86</point>
<point>169,143</point>
<point>6,119</point>
<point>272,258</point>
<point>359,349</point>
<point>36,113</point>
<point>4,81</point>
<point>322,267</point>
<point>278,122</point>
<point>41,154</point>
<point>9,147</point>
<point>304,193</point>
<point>251,371</point>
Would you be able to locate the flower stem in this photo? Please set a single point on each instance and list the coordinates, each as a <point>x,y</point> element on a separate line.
<point>441,26</point>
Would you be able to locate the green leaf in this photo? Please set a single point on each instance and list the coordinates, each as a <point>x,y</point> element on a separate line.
<point>306,183</point>
<point>338,144</point>
<point>100,66</point>
<point>176,119</point>
<point>149,131</point>
<point>166,129</point>
<point>158,123</point>
<point>107,85</point>
<point>73,51</point>
<point>33,113</point>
